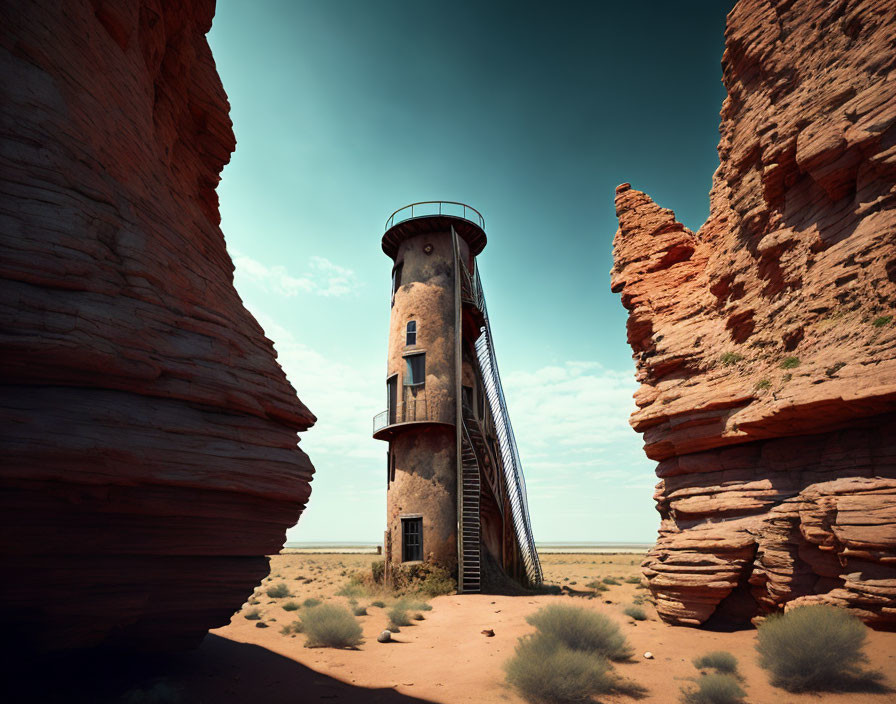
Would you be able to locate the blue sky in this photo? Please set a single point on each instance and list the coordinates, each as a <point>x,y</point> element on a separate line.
<point>345,111</point>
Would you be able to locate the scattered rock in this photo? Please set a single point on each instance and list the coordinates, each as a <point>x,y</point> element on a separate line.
<point>384,637</point>
<point>488,633</point>
<point>648,655</point>
<point>261,624</point>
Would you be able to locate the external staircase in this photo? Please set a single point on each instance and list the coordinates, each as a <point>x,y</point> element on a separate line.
<point>471,530</point>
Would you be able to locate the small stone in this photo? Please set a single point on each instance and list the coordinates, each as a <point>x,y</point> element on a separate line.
<point>489,633</point>
<point>648,655</point>
<point>261,624</point>
<point>384,637</point>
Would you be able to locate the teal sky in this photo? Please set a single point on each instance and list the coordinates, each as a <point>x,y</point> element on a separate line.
<point>345,111</point>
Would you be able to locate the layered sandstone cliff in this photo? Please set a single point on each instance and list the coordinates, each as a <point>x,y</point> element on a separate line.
<point>766,342</point>
<point>150,457</point>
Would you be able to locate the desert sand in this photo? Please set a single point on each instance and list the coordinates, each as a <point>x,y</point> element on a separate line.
<point>446,658</point>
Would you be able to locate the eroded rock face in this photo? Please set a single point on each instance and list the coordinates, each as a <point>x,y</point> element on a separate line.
<point>766,342</point>
<point>149,444</point>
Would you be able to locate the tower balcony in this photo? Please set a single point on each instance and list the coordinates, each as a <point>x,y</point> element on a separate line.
<point>434,216</point>
<point>412,411</point>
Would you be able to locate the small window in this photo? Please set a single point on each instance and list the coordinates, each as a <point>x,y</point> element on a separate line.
<point>412,333</point>
<point>416,371</point>
<point>411,539</point>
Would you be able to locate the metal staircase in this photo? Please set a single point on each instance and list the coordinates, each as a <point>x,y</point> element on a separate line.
<point>470,525</point>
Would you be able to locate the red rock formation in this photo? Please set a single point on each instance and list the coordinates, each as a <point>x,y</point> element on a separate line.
<point>766,342</point>
<point>149,445</point>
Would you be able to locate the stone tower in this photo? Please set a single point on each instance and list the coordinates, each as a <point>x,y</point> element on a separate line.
<point>448,500</point>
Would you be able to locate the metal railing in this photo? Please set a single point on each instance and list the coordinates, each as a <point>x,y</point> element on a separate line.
<point>428,208</point>
<point>412,408</point>
<point>513,471</point>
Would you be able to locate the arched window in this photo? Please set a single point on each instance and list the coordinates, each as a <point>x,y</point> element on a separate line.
<point>412,333</point>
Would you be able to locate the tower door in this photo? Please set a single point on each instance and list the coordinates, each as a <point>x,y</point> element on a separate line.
<point>392,397</point>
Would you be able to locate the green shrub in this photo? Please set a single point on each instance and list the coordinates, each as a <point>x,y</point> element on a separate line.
<point>635,612</point>
<point>252,615</point>
<point>398,616</point>
<point>814,648</point>
<point>311,603</point>
<point>581,629</point>
<point>278,591</point>
<point>598,586</point>
<point>790,363</point>
<point>378,571</point>
<point>718,660</point>
<point>715,688</point>
<point>330,626</point>
<point>379,604</point>
<point>633,580</point>
<point>787,377</point>
<point>544,672</point>
<point>427,578</point>
<point>360,611</point>
<point>763,384</point>
<point>729,358</point>
<point>290,606</point>
<point>882,320</point>
<point>610,580</point>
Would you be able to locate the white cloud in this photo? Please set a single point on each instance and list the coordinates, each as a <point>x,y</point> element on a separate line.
<point>323,278</point>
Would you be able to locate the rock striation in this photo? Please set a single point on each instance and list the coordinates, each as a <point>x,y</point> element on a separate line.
<point>150,456</point>
<point>765,342</point>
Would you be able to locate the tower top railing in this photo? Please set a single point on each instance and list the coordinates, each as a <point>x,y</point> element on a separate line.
<point>428,208</point>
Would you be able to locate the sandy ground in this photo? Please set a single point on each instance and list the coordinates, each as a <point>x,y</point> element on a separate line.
<point>445,658</point>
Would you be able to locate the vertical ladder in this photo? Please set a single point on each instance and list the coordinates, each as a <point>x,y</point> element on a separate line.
<point>470,526</point>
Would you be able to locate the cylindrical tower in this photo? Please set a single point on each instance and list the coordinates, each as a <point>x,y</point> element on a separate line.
<point>422,380</point>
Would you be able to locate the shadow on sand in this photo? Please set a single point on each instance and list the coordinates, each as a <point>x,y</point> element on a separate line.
<point>220,671</point>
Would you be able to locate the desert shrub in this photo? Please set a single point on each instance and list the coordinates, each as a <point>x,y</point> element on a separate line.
<point>882,320</point>
<point>580,629</point>
<point>427,578</point>
<point>814,648</point>
<point>718,660</point>
<point>330,626</point>
<point>360,611</point>
<point>633,580</point>
<point>610,580</point>
<point>635,612</point>
<point>252,615</point>
<point>379,604</point>
<point>414,605</point>
<point>290,606</point>
<point>278,591</point>
<point>729,358</point>
<point>715,688</point>
<point>597,586</point>
<point>418,616</point>
<point>763,384</point>
<point>398,616</point>
<point>790,363</point>
<point>311,603</point>
<point>545,672</point>
<point>378,571</point>
<point>352,590</point>
<point>545,588</point>
<point>294,627</point>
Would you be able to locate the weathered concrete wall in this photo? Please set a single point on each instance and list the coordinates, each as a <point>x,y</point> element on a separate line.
<point>426,483</point>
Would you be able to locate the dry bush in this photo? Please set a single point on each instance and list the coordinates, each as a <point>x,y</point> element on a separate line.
<point>583,630</point>
<point>718,660</point>
<point>330,626</point>
<point>278,591</point>
<point>815,648</point>
<point>635,612</point>
<point>545,672</point>
<point>715,688</point>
